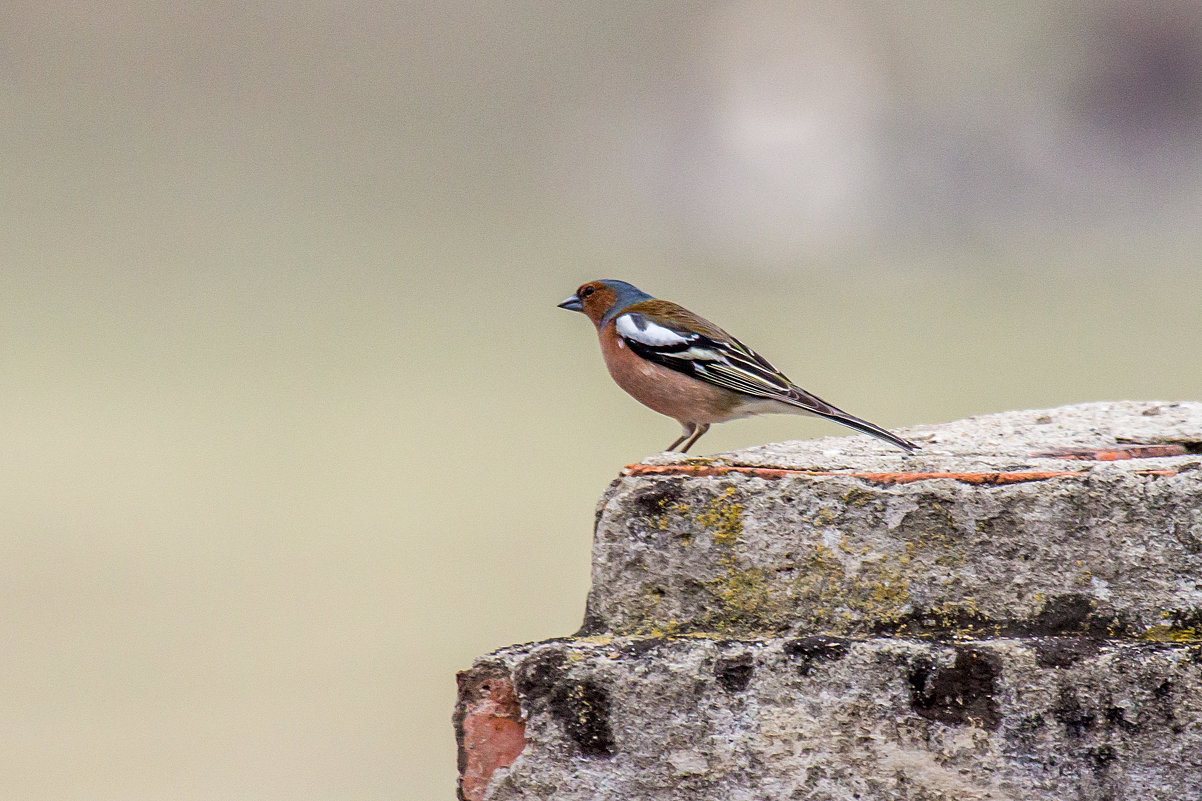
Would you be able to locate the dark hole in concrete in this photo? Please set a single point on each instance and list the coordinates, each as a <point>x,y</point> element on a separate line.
<point>809,650</point>
<point>583,709</point>
<point>537,678</point>
<point>961,694</point>
<point>655,499</point>
<point>929,622</point>
<point>1116,717</point>
<point>734,674</point>
<point>1101,756</point>
<point>1062,614</point>
<point>636,648</point>
<point>1030,724</point>
<point>1062,652</point>
<point>1068,711</point>
<point>1065,615</point>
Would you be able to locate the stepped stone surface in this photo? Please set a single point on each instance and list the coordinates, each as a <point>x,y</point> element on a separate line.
<point>1015,612</point>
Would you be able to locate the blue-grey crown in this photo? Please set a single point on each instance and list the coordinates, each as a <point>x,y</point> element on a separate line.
<point>625,296</point>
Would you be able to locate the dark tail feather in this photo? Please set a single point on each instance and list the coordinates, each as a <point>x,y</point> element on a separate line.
<point>866,427</point>
<point>815,405</point>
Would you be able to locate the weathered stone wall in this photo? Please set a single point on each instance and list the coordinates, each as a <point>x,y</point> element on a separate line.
<point>1013,613</point>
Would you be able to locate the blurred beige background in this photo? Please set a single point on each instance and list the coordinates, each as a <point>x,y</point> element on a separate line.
<point>291,429</point>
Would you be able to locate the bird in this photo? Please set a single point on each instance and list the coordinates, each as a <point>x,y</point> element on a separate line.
<point>683,366</point>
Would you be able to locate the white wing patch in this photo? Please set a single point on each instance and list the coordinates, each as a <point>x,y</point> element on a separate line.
<point>640,329</point>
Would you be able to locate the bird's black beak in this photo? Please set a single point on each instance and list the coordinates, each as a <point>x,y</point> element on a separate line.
<point>571,304</point>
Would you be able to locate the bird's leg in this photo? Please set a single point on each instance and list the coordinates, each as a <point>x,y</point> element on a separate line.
<point>700,429</point>
<point>688,429</point>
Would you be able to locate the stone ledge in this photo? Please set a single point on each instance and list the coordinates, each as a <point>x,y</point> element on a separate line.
<point>990,442</point>
<point>832,718</point>
<point>953,542</point>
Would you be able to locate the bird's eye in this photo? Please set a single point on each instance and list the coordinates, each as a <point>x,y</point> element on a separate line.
<point>588,290</point>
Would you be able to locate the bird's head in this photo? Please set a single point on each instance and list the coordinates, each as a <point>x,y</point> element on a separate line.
<point>601,301</point>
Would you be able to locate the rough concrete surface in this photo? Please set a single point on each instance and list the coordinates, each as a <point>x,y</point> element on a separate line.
<point>833,719</point>
<point>973,536</point>
<point>1015,612</point>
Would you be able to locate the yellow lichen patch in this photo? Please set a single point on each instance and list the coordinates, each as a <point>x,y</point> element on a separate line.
<point>957,617</point>
<point>880,591</point>
<point>1162,633</point>
<point>847,547</point>
<point>702,635</point>
<point>825,517</point>
<point>858,496</point>
<point>669,629</point>
<point>877,590</point>
<point>744,601</point>
<point>680,510</point>
<point>645,603</point>
<point>939,543</point>
<point>723,519</point>
<point>834,588</point>
<point>663,520</point>
<point>819,584</point>
<point>595,639</point>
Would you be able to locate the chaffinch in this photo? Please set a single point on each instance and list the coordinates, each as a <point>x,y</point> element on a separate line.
<point>684,366</point>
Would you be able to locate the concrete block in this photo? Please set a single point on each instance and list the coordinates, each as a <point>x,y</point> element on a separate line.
<point>973,536</point>
<point>1015,612</point>
<point>1031,719</point>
